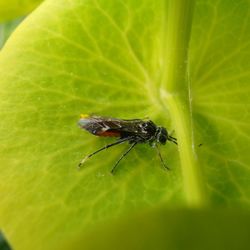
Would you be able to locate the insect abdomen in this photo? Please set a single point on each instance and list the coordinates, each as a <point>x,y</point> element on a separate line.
<point>108,133</point>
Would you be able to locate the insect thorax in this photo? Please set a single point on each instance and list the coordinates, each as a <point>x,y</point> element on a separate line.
<point>147,131</point>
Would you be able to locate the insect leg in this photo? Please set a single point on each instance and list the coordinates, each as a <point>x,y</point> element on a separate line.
<point>159,153</point>
<point>105,147</point>
<point>113,169</point>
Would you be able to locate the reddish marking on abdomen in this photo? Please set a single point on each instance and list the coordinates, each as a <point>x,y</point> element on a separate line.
<point>109,133</point>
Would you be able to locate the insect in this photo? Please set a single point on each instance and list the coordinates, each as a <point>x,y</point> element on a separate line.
<point>133,131</point>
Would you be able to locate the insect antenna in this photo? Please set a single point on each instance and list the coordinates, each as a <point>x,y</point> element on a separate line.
<point>172,139</point>
<point>159,153</point>
<point>113,169</point>
<point>105,147</point>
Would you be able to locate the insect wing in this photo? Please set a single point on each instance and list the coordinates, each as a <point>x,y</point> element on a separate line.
<point>106,126</point>
<point>121,125</point>
<point>123,128</point>
<point>100,126</point>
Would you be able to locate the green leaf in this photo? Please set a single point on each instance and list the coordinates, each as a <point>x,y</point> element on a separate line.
<point>127,60</point>
<point>13,9</point>
<point>220,76</point>
<point>170,229</point>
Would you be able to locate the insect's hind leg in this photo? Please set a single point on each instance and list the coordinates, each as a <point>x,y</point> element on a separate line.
<point>124,154</point>
<point>119,141</point>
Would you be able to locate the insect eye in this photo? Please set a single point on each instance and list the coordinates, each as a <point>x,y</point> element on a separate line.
<point>162,139</point>
<point>162,135</point>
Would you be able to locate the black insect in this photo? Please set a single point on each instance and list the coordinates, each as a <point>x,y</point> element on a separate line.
<point>132,131</point>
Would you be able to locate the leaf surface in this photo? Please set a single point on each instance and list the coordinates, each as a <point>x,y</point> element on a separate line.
<point>105,57</point>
